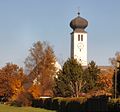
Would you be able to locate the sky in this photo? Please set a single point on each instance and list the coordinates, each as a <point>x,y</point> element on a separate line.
<point>24,22</point>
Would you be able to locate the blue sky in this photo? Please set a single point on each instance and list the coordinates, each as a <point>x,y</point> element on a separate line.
<point>23,22</point>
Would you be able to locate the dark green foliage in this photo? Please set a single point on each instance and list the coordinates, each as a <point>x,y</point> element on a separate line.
<point>62,106</point>
<point>117,74</point>
<point>114,105</point>
<point>75,106</point>
<point>118,83</point>
<point>113,86</point>
<point>55,104</point>
<point>70,79</point>
<point>97,104</point>
<point>81,104</point>
<point>48,103</point>
<point>73,79</point>
<point>38,103</point>
<point>61,86</point>
<point>91,74</point>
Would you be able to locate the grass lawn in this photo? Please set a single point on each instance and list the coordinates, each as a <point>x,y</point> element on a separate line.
<point>6,108</point>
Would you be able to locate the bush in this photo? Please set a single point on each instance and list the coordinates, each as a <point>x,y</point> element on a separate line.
<point>67,104</point>
<point>97,103</point>
<point>42,103</point>
<point>93,104</point>
<point>114,105</point>
<point>62,104</point>
<point>47,103</point>
<point>23,99</point>
<point>55,104</point>
<point>75,104</point>
<point>38,103</point>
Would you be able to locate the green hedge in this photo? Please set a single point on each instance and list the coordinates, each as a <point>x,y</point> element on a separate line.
<point>97,104</point>
<point>114,105</point>
<point>55,104</point>
<point>38,103</point>
<point>94,104</point>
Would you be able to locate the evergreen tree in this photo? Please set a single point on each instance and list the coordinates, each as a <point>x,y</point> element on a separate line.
<point>91,74</point>
<point>70,80</point>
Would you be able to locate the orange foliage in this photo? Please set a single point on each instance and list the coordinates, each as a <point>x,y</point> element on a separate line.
<point>48,92</point>
<point>40,65</point>
<point>16,87</point>
<point>105,80</point>
<point>35,91</point>
<point>11,81</point>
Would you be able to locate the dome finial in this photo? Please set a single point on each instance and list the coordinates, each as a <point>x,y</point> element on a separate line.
<point>78,23</point>
<point>78,11</point>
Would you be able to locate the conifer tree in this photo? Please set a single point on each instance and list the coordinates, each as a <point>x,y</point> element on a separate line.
<point>91,74</point>
<point>70,80</point>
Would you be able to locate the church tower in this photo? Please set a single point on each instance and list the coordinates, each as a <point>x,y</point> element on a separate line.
<point>79,39</point>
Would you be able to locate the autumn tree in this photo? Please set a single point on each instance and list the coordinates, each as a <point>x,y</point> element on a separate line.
<point>40,65</point>
<point>70,80</point>
<point>35,90</point>
<point>11,81</point>
<point>105,80</point>
<point>114,60</point>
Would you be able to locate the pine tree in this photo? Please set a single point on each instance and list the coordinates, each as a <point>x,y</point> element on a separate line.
<point>91,74</point>
<point>70,80</point>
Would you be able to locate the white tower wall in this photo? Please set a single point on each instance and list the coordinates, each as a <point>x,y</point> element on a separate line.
<point>79,47</point>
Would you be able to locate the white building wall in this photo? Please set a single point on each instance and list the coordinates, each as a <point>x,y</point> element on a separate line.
<point>79,47</point>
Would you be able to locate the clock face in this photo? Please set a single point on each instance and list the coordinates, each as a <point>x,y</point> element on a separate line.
<point>80,45</point>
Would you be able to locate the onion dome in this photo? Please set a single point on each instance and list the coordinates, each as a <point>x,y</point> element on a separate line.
<point>78,23</point>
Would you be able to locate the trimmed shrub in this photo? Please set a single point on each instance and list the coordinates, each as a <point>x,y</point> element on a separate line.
<point>55,104</point>
<point>114,105</point>
<point>38,103</point>
<point>62,104</point>
<point>81,104</point>
<point>42,103</point>
<point>97,104</point>
<point>47,103</point>
<point>75,104</point>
